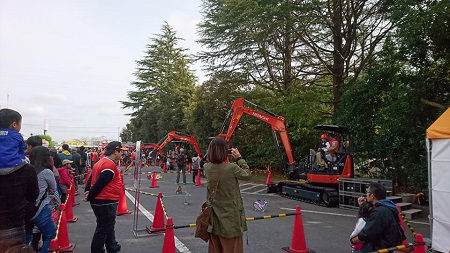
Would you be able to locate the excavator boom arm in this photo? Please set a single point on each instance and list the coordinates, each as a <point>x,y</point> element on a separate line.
<point>173,135</point>
<point>276,122</point>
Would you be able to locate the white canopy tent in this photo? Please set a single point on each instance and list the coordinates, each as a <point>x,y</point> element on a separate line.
<point>438,146</point>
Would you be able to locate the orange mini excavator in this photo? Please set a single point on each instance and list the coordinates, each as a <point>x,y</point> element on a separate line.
<point>321,185</point>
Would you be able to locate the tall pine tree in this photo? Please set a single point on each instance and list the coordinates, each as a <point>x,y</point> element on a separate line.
<point>164,88</point>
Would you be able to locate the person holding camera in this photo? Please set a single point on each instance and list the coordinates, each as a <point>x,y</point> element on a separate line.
<point>228,221</point>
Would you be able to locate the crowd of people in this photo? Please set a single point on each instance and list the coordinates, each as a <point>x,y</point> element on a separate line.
<point>34,180</point>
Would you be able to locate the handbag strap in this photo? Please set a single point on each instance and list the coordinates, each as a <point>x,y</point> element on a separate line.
<point>213,194</point>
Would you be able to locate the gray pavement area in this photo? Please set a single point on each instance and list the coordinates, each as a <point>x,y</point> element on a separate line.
<point>326,229</point>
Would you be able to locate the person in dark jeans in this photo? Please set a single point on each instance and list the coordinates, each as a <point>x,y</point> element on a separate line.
<point>181,163</point>
<point>382,229</point>
<point>195,166</point>
<point>103,191</point>
<point>83,159</point>
<point>18,180</point>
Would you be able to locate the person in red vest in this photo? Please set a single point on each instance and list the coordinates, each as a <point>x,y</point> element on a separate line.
<point>94,155</point>
<point>103,192</point>
<point>332,148</point>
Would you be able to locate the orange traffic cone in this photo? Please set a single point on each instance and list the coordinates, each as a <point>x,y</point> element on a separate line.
<point>169,240</point>
<point>54,247</point>
<point>298,243</point>
<point>71,195</point>
<point>63,236</point>
<point>164,168</point>
<point>69,211</point>
<point>420,244</point>
<point>269,178</point>
<point>122,208</point>
<point>154,182</point>
<point>158,220</point>
<point>198,180</point>
<point>75,190</point>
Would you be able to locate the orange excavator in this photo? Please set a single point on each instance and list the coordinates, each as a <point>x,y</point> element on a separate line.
<point>320,184</point>
<point>173,135</point>
<point>150,146</point>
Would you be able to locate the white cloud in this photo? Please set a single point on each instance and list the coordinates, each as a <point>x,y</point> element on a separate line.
<point>184,24</point>
<point>49,98</point>
<point>37,109</point>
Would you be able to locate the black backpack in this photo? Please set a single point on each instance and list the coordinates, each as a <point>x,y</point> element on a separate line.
<point>181,160</point>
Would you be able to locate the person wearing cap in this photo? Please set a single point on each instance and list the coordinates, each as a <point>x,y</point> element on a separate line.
<point>64,177</point>
<point>103,192</point>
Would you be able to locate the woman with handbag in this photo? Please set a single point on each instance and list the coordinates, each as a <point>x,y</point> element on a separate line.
<point>227,220</point>
<point>42,218</point>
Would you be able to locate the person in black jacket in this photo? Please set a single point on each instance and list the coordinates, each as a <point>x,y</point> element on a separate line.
<point>18,184</point>
<point>382,229</point>
<point>181,163</point>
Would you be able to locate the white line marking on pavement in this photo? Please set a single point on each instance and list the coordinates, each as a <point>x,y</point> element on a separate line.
<point>345,215</point>
<point>178,244</point>
<point>263,189</point>
<point>245,184</point>
<point>248,188</point>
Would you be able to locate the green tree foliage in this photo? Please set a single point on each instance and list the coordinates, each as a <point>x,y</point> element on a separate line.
<point>279,42</point>
<point>165,87</point>
<point>401,94</point>
<point>48,138</point>
<point>252,37</point>
<point>301,108</point>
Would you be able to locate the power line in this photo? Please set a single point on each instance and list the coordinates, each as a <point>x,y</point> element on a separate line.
<point>28,124</point>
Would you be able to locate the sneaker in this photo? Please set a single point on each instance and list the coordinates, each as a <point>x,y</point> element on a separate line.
<point>115,249</point>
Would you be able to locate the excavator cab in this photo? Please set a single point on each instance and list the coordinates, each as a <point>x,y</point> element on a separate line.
<point>319,163</point>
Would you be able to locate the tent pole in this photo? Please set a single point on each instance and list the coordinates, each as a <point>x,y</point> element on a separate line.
<point>430,193</point>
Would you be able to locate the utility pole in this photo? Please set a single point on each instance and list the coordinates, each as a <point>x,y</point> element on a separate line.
<point>45,126</point>
<point>118,133</point>
<point>7,100</point>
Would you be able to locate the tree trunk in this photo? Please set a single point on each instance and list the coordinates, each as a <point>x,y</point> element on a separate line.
<point>338,61</point>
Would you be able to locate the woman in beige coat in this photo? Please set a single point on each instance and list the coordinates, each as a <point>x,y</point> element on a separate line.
<point>227,217</point>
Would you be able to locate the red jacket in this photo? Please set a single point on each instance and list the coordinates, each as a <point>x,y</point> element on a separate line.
<point>113,189</point>
<point>64,177</point>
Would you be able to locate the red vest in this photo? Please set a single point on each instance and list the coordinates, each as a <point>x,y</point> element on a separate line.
<point>333,151</point>
<point>114,188</point>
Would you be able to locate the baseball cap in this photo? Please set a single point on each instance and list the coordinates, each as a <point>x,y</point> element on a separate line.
<point>115,145</point>
<point>66,161</point>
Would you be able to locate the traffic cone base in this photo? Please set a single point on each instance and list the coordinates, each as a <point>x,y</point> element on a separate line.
<point>286,249</point>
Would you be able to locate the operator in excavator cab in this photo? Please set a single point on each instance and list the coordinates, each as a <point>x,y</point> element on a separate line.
<point>327,150</point>
<point>332,148</point>
<point>324,144</point>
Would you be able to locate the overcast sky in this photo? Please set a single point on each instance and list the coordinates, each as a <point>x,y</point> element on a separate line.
<point>71,62</point>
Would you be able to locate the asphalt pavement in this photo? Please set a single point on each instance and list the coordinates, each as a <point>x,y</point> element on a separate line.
<point>326,229</point>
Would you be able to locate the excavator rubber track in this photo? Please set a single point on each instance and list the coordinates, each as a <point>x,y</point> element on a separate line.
<point>317,195</point>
